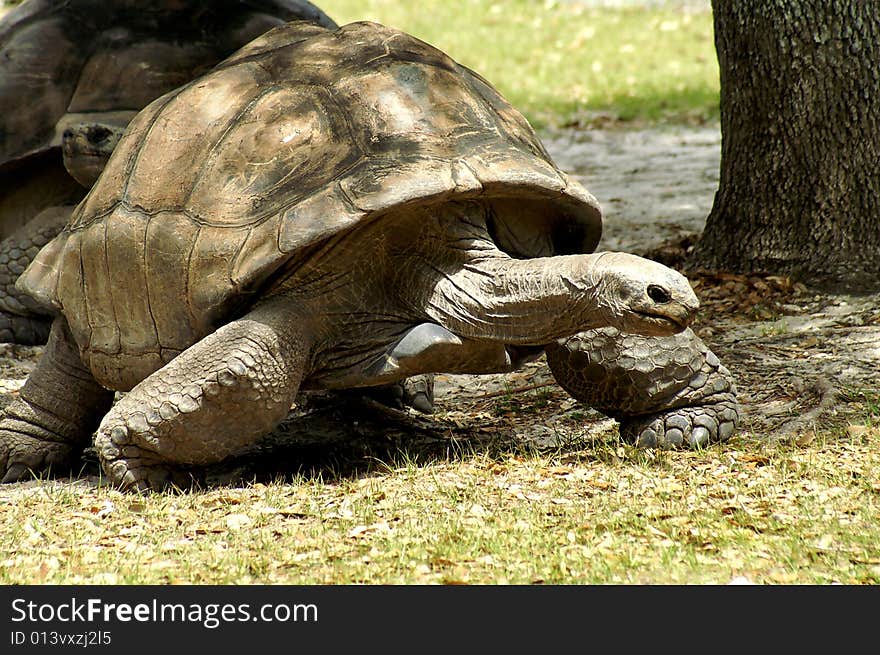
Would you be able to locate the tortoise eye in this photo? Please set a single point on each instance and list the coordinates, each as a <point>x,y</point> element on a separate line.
<point>97,133</point>
<point>658,294</point>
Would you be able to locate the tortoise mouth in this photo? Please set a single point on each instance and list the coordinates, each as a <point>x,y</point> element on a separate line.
<point>664,321</point>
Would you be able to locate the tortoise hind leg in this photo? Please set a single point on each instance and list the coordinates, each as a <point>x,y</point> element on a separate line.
<point>416,392</point>
<point>211,401</point>
<point>58,409</point>
<point>665,391</point>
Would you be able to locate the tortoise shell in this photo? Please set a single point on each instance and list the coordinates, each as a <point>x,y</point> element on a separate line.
<point>63,59</point>
<point>299,136</point>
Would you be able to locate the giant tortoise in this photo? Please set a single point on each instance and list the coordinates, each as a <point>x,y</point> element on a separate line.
<point>334,209</point>
<point>72,74</point>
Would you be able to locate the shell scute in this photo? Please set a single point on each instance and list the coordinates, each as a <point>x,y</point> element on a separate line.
<point>99,203</point>
<point>177,141</point>
<point>97,280</point>
<point>211,293</point>
<point>286,145</point>
<point>39,67</point>
<point>105,83</point>
<point>169,238</point>
<point>318,217</point>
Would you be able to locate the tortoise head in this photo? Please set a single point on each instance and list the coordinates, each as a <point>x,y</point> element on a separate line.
<point>643,296</point>
<point>87,146</point>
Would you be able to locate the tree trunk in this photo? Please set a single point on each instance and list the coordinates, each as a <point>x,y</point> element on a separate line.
<point>799,192</point>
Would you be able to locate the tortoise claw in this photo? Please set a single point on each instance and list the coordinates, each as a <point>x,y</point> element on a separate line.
<point>16,473</point>
<point>694,426</point>
<point>132,468</point>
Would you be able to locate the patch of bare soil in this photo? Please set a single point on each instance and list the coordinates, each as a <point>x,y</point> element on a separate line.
<point>801,360</point>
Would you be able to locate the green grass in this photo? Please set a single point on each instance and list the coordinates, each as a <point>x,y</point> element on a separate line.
<point>600,513</point>
<point>868,400</point>
<point>561,63</point>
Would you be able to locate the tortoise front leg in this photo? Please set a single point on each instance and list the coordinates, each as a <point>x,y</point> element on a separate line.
<point>58,409</point>
<point>22,319</point>
<point>211,401</point>
<point>665,391</point>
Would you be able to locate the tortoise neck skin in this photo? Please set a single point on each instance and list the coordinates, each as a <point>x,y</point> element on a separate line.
<point>520,302</point>
<point>536,301</point>
<point>480,292</point>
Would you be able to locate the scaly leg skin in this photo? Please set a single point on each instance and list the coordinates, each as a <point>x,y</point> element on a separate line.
<point>46,428</point>
<point>214,399</point>
<point>416,392</point>
<point>24,330</point>
<point>665,391</point>
<point>22,319</point>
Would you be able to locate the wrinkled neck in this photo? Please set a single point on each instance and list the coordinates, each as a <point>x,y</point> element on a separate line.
<point>521,301</point>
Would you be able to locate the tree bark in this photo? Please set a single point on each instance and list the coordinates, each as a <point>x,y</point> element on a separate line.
<point>799,192</point>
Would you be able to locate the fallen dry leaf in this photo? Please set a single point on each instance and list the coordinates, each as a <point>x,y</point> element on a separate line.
<point>238,521</point>
<point>360,531</point>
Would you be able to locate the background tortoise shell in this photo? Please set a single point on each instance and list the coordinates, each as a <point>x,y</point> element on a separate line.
<point>69,57</point>
<point>301,135</point>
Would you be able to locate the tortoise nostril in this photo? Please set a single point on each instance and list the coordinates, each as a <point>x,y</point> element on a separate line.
<point>658,294</point>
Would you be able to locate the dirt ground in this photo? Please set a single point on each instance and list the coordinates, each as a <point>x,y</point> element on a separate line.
<point>800,359</point>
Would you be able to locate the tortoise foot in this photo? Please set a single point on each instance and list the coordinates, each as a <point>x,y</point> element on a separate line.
<point>133,468</point>
<point>213,401</point>
<point>416,392</point>
<point>24,456</point>
<point>692,427</point>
